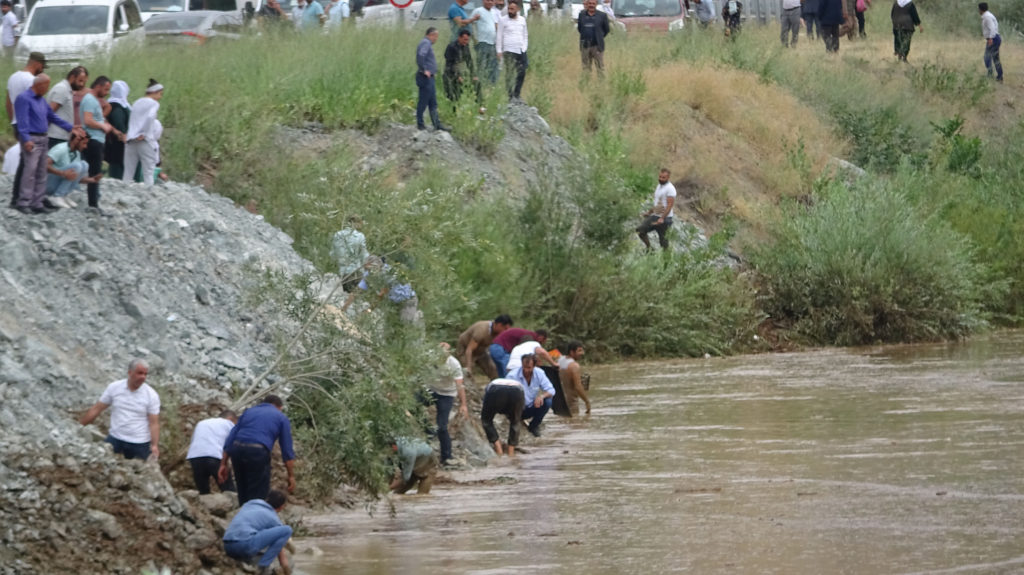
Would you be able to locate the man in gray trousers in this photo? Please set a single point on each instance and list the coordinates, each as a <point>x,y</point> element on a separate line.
<point>790,22</point>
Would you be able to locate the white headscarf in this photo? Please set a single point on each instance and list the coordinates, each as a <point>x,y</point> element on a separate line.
<point>119,94</point>
<point>903,3</point>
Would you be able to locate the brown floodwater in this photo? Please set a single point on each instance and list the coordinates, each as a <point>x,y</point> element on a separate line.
<point>901,459</point>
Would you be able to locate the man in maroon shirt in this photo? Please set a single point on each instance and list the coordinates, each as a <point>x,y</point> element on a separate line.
<point>503,343</point>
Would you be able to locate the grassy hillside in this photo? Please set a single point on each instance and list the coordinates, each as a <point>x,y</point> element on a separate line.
<point>747,128</point>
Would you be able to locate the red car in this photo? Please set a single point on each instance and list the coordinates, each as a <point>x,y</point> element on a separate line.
<point>651,14</point>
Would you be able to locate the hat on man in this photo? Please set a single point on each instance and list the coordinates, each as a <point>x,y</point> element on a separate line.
<point>37,57</point>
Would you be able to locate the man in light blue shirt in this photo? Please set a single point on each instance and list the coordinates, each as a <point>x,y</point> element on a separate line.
<point>257,530</point>
<point>486,36</point>
<point>66,169</point>
<point>313,16</point>
<point>537,392</point>
<point>458,18</point>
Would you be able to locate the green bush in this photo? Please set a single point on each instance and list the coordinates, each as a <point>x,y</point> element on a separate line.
<point>863,265</point>
<point>880,139</point>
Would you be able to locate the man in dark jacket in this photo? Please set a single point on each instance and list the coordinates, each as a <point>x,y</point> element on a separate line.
<point>904,18</point>
<point>593,27</point>
<point>458,68</point>
<point>831,15</point>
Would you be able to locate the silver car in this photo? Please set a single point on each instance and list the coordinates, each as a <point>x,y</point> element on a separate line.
<point>196,27</point>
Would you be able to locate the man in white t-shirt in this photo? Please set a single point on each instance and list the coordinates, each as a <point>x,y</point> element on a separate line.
<point>16,84</point>
<point>447,386</point>
<point>486,35</point>
<point>207,449</point>
<point>659,217</point>
<point>528,347</point>
<point>8,28</point>
<point>134,414</point>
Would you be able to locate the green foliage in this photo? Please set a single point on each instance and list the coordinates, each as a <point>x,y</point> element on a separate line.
<point>940,79</point>
<point>880,139</point>
<point>960,154</point>
<point>863,265</point>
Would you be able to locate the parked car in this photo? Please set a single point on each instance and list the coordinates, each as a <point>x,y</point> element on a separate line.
<point>149,8</point>
<point>71,31</point>
<point>196,27</point>
<point>650,14</point>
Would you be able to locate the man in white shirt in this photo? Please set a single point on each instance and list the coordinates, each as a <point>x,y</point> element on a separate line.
<point>134,414</point>
<point>16,84</point>
<point>207,449</point>
<point>486,35</point>
<point>62,99</point>
<point>512,42</point>
<point>8,29</point>
<point>790,22</point>
<point>990,30</point>
<point>659,217</point>
<point>528,347</point>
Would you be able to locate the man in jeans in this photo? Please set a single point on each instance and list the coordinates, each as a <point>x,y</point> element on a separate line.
<point>249,445</point>
<point>790,22</point>
<point>486,36</point>
<point>257,531</point>
<point>659,217</point>
<point>426,76</point>
<point>134,413</point>
<point>593,27</point>
<point>990,30</point>
<point>537,392</point>
<point>444,390</point>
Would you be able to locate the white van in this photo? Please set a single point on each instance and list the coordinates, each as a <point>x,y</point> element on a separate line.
<point>73,31</point>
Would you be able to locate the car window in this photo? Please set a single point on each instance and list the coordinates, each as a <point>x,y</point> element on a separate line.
<point>219,5</point>
<point>131,11</point>
<point>58,20</point>
<point>174,22</point>
<point>162,5</point>
<point>118,19</point>
<point>627,8</point>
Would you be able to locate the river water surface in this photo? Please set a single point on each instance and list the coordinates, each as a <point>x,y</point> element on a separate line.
<point>899,459</point>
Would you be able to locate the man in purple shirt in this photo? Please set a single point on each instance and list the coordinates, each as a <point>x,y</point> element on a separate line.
<point>34,116</point>
<point>507,340</point>
<point>249,445</point>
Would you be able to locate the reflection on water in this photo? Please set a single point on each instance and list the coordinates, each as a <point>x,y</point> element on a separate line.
<point>874,460</point>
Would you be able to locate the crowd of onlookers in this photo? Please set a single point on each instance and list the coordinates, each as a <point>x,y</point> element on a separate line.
<point>66,132</point>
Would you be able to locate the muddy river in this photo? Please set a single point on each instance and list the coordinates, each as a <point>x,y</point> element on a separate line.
<point>902,459</point>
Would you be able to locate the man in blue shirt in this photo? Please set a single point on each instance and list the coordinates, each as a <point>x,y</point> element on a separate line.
<point>34,116</point>
<point>426,71</point>
<point>249,445</point>
<point>458,18</point>
<point>313,16</point>
<point>537,392</point>
<point>256,529</point>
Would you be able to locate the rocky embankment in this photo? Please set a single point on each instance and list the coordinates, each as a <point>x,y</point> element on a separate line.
<point>165,279</point>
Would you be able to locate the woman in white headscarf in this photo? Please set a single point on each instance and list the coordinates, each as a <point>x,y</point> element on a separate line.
<point>142,141</point>
<point>117,117</point>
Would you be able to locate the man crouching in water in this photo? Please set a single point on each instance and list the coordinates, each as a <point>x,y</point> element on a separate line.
<point>504,396</point>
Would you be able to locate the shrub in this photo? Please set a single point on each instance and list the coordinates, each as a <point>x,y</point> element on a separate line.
<point>863,265</point>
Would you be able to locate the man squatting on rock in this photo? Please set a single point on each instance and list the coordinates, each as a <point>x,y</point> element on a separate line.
<point>257,531</point>
<point>134,414</point>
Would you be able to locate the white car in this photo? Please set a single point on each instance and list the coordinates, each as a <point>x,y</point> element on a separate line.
<point>73,31</point>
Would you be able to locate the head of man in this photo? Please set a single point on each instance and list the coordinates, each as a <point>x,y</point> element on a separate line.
<point>529,362</point>
<point>138,370</point>
<point>542,336</point>
<point>229,415</point>
<point>78,77</point>
<point>78,142</point>
<point>488,4</point>
<point>591,6</point>
<point>101,87</point>
<point>5,6</point>
<point>41,85</point>
<point>982,7</point>
<point>574,350</point>
<point>664,175</point>
<point>36,63</point>
<point>501,323</point>
<point>461,2</point>
<point>535,5</point>
<point>274,400</point>
<point>276,499</point>
<point>431,34</point>
<point>513,8</point>
<point>463,37</point>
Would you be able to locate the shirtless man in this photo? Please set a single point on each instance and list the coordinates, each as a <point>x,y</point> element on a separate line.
<point>572,379</point>
<point>474,345</point>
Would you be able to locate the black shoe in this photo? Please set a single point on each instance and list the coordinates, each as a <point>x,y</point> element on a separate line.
<point>24,209</point>
<point>441,128</point>
<point>421,127</point>
<point>48,204</point>
<point>97,211</point>
<point>533,432</point>
<point>43,210</point>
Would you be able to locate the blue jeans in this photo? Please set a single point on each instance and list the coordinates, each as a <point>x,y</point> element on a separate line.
<point>444,404</point>
<point>487,61</point>
<point>992,57</point>
<point>59,186</point>
<point>427,99</point>
<point>130,450</point>
<point>272,539</point>
<point>536,414</point>
<point>500,357</point>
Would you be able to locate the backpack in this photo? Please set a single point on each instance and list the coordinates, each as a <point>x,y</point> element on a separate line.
<point>861,6</point>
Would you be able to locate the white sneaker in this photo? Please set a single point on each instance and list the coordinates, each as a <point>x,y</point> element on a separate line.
<point>70,202</point>
<point>59,202</point>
